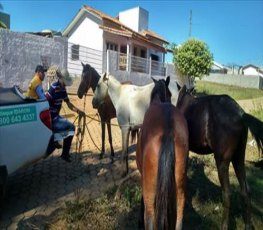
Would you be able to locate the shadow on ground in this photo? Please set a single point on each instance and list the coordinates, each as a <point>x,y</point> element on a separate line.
<point>41,196</point>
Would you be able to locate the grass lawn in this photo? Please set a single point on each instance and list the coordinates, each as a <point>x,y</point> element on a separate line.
<point>238,93</point>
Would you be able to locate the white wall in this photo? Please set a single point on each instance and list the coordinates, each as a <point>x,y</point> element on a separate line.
<point>20,53</point>
<point>250,81</point>
<point>135,18</point>
<point>88,34</point>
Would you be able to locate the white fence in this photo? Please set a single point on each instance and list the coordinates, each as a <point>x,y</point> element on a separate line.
<point>78,54</point>
<point>141,65</point>
<point>136,69</point>
<point>246,81</point>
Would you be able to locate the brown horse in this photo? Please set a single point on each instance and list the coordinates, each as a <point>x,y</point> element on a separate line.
<point>89,79</point>
<point>161,156</point>
<point>217,124</point>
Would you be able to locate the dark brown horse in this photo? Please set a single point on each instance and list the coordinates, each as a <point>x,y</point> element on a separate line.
<point>89,79</point>
<point>161,156</point>
<point>217,124</point>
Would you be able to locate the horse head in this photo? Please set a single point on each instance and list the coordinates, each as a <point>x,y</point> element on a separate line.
<point>161,90</point>
<point>85,80</point>
<point>185,98</point>
<point>101,91</point>
<point>89,78</point>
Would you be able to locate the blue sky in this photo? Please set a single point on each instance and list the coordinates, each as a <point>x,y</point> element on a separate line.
<point>233,30</point>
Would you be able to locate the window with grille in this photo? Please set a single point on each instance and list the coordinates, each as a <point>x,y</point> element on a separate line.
<point>75,52</point>
<point>111,46</point>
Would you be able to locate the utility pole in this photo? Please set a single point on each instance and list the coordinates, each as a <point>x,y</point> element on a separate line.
<point>190,24</point>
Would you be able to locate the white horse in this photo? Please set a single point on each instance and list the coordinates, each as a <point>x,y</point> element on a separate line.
<point>130,102</point>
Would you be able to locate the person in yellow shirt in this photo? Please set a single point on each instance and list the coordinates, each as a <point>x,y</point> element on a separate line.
<point>35,89</point>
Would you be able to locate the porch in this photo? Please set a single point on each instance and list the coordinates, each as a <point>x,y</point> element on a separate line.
<point>112,62</point>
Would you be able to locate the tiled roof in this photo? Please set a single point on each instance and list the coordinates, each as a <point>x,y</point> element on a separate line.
<point>147,33</point>
<point>119,28</point>
<point>116,31</point>
<point>100,14</point>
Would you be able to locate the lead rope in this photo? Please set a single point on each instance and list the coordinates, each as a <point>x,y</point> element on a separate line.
<point>92,138</point>
<point>81,129</point>
<point>83,125</point>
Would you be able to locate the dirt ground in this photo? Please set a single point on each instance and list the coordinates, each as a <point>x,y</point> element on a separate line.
<point>92,136</point>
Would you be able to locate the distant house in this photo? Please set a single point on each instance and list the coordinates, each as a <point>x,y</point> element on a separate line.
<point>128,34</point>
<point>218,68</point>
<point>4,20</point>
<point>252,70</point>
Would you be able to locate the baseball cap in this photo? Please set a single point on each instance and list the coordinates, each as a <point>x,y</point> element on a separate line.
<point>40,68</point>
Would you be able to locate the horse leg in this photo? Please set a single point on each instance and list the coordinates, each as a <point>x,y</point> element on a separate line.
<point>223,174</point>
<point>149,183</point>
<point>124,157</point>
<point>102,139</point>
<point>239,167</point>
<point>149,213</point>
<point>180,197</point>
<point>180,177</point>
<point>110,140</point>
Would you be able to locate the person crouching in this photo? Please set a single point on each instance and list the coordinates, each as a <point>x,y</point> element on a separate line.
<point>57,93</point>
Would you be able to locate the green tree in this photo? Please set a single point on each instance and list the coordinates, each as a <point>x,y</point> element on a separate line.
<point>192,59</point>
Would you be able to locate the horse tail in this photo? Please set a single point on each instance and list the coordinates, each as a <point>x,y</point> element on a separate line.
<point>165,190</point>
<point>256,128</point>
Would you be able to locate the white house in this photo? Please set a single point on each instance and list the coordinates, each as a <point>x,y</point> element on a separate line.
<point>252,70</point>
<point>128,34</point>
<point>218,68</point>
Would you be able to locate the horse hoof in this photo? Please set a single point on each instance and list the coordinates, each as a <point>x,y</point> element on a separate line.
<point>249,227</point>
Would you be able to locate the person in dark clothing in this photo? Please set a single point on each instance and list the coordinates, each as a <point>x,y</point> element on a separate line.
<point>57,93</point>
